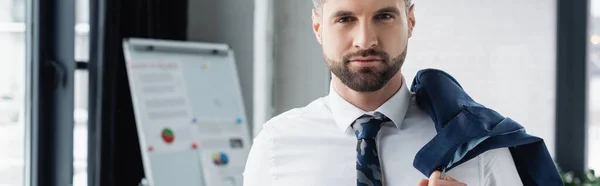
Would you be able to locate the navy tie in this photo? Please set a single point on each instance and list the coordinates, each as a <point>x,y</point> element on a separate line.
<point>368,168</point>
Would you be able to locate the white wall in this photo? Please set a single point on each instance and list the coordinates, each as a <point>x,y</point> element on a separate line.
<point>502,52</point>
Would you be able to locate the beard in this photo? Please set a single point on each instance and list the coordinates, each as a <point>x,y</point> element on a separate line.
<point>367,79</point>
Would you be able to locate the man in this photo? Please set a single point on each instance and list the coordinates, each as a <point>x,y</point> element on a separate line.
<point>369,128</point>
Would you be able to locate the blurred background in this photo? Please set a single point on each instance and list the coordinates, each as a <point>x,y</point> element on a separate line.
<point>536,61</point>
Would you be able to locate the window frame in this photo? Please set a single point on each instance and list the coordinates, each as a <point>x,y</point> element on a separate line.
<point>50,92</point>
<point>571,85</point>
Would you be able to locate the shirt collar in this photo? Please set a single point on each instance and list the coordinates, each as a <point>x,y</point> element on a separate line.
<point>344,113</point>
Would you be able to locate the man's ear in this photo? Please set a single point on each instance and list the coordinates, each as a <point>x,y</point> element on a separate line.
<point>411,19</point>
<point>316,19</point>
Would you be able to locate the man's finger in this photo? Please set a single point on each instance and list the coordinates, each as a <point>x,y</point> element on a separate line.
<point>448,178</point>
<point>445,183</point>
<point>423,182</point>
<point>435,175</point>
<point>434,180</point>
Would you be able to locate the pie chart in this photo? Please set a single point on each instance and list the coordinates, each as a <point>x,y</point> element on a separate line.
<point>167,135</point>
<point>220,158</point>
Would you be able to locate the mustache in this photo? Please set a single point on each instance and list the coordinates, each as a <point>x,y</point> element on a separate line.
<point>366,53</point>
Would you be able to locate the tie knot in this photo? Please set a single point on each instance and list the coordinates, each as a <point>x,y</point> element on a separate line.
<point>367,126</point>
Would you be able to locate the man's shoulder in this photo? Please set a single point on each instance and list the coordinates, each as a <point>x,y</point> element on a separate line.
<point>416,112</point>
<point>315,109</point>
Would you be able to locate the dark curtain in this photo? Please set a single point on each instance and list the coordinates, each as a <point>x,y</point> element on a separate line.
<point>114,153</point>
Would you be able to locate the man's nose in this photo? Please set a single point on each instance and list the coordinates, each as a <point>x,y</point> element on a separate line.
<point>365,37</point>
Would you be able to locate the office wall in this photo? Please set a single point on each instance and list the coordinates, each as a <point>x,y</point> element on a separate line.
<point>230,22</point>
<point>301,75</point>
<point>502,52</point>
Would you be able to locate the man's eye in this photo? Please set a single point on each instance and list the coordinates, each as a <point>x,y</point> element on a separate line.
<point>344,19</point>
<point>383,16</point>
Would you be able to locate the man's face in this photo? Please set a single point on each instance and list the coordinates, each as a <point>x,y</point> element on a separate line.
<point>364,41</point>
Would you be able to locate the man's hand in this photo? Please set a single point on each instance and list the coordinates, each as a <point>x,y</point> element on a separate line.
<point>434,180</point>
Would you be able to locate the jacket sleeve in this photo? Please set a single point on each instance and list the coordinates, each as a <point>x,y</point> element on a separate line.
<point>259,163</point>
<point>499,169</point>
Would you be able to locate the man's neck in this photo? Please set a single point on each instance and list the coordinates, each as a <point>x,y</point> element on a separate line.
<point>368,101</point>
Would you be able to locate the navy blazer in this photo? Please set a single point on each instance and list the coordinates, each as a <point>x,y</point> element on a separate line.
<point>466,129</point>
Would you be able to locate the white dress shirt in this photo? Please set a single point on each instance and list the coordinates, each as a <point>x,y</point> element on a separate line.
<point>316,146</point>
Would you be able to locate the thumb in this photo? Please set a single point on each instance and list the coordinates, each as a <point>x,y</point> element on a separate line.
<point>423,182</point>
<point>435,175</point>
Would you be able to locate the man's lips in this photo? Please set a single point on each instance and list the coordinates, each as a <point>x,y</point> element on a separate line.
<point>365,59</point>
<point>365,62</point>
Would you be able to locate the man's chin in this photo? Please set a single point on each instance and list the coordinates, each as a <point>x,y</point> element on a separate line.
<point>365,88</point>
<point>364,70</point>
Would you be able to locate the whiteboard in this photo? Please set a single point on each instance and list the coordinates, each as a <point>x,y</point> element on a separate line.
<point>189,112</point>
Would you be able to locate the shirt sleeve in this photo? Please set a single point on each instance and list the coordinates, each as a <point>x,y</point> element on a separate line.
<point>499,168</point>
<point>258,169</point>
